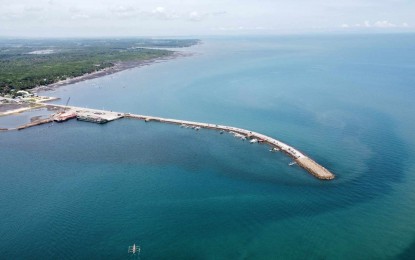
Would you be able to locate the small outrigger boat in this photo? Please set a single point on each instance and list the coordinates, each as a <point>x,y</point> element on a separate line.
<point>134,249</point>
<point>254,141</point>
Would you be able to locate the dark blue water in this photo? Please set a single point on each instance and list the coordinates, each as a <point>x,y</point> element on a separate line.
<point>79,190</point>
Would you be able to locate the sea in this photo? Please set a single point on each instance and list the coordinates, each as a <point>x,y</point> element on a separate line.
<point>79,190</point>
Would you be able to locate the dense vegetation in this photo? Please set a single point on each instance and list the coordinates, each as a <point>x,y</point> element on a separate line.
<point>27,64</point>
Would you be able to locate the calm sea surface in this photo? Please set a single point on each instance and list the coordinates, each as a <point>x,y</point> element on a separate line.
<point>83,191</point>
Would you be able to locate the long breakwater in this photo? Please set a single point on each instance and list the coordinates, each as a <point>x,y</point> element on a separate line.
<point>99,116</point>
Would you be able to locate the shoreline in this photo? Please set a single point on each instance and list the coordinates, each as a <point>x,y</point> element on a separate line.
<point>118,67</point>
<point>22,109</point>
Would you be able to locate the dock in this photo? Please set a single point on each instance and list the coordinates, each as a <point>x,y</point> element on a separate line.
<point>103,116</point>
<point>86,114</point>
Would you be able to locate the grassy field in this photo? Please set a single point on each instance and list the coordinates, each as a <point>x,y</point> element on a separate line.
<point>26,64</point>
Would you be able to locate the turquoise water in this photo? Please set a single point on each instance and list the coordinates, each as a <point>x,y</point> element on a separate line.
<point>79,190</point>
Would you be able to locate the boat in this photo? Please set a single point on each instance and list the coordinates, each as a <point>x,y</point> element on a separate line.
<point>62,117</point>
<point>254,141</point>
<point>239,136</point>
<point>292,163</point>
<point>93,119</point>
<point>134,249</point>
<point>221,132</point>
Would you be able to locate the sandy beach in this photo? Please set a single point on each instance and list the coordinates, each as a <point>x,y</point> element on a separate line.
<point>9,107</point>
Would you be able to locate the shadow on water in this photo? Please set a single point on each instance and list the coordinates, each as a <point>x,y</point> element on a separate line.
<point>385,166</point>
<point>408,253</point>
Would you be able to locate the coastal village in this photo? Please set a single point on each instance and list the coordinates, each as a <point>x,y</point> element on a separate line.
<point>26,101</point>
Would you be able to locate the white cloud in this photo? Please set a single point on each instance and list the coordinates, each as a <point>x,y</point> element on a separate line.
<point>80,17</point>
<point>195,16</point>
<point>383,24</point>
<point>240,28</point>
<point>379,24</point>
<point>161,12</point>
<point>184,17</point>
<point>122,11</point>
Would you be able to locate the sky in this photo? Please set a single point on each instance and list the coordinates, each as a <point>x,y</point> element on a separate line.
<point>92,18</point>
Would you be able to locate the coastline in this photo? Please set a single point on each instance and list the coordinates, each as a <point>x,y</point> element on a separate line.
<point>120,66</point>
<point>21,109</point>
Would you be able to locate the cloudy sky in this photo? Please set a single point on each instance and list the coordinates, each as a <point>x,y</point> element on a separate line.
<point>71,18</point>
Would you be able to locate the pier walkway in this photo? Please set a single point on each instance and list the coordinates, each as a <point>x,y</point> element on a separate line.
<point>301,159</point>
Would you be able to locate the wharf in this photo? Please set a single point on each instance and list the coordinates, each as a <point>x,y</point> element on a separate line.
<point>89,115</point>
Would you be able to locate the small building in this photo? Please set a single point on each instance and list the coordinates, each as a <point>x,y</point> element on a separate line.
<point>24,93</point>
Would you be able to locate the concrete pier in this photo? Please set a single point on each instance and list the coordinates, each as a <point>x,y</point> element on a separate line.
<point>34,123</point>
<point>301,159</point>
<point>87,114</point>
